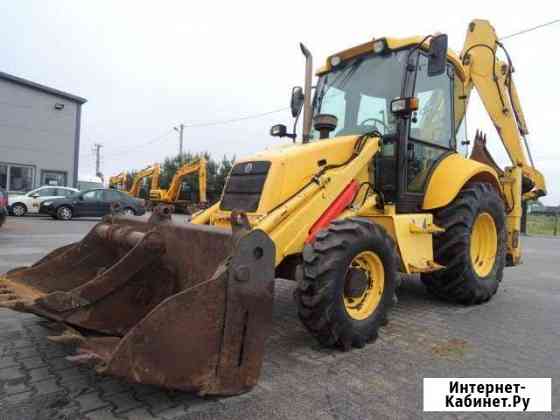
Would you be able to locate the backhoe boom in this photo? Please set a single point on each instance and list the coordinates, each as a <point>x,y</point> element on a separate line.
<point>492,79</point>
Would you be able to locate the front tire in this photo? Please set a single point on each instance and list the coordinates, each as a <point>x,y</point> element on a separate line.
<point>64,213</point>
<point>19,209</point>
<point>347,283</point>
<point>472,248</point>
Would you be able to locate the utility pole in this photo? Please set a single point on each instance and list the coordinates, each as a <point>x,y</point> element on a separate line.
<point>97,150</point>
<point>180,130</point>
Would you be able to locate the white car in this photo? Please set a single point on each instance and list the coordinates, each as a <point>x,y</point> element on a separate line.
<point>30,202</point>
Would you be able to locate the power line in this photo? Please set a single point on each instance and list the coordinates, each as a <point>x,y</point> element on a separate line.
<point>233,120</point>
<point>196,125</point>
<point>134,147</point>
<point>534,28</point>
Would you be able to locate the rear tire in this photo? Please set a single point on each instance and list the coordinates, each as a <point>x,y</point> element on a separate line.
<point>334,313</point>
<point>19,209</point>
<point>469,277</point>
<point>64,213</point>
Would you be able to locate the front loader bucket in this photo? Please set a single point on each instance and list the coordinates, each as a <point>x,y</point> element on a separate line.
<point>173,304</point>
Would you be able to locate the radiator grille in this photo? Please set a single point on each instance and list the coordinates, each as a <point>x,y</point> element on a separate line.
<point>244,187</point>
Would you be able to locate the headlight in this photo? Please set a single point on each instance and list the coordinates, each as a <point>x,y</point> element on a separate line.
<point>46,203</point>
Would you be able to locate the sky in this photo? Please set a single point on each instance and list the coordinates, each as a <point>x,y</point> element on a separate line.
<point>147,66</point>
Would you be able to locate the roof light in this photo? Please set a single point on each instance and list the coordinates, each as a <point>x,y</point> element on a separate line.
<point>335,60</point>
<point>379,46</point>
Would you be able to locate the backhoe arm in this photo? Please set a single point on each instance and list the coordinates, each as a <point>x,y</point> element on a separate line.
<point>492,78</point>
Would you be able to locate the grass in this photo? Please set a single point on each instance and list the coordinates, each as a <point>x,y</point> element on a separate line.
<point>542,225</point>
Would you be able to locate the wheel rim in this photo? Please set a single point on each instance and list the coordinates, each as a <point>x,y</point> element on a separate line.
<point>363,306</point>
<point>65,213</point>
<point>18,211</point>
<point>128,212</point>
<point>484,244</point>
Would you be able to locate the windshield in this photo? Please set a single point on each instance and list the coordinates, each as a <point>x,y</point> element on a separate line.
<point>359,93</point>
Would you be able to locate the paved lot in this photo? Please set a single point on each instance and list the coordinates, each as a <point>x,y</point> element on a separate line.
<point>515,335</point>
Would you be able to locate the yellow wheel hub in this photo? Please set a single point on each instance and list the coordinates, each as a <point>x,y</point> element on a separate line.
<point>362,306</point>
<point>484,244</point>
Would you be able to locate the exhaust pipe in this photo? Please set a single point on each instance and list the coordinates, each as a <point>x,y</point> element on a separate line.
<point>307,93</point>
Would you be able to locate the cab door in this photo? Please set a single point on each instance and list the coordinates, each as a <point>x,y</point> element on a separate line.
<point>430,135</point>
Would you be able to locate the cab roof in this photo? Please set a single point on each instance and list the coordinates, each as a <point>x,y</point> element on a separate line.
<point>393,44</point>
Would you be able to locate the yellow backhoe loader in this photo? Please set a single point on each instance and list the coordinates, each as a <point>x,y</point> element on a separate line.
<point>152,172</point>
<point>173,194</point>
<point>119,181</point>
<point>379,185</point>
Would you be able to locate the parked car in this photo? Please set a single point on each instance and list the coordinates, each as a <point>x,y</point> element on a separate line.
<point>93,203</point>
<point>20,205</point>
<point>3,206</point>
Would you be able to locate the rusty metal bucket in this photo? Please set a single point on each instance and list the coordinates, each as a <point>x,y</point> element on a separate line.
<point>161,302</point>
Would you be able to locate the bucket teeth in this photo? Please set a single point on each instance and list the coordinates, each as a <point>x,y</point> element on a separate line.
<point>85,358</point>
<point>67,338</point>
<point>10,300</point>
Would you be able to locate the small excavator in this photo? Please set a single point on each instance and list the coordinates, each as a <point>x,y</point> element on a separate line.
<point>119,182</point>
<point>172,195</point>
<point>380,185</point>
<point>152,172</point>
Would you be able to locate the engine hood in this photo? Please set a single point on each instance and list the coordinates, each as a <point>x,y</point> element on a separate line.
<point>288,169</point>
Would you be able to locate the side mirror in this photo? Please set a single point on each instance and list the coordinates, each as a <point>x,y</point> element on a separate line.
<point>437,62</point>
<point>296,102</point>
<point>34,195</point>
<point>278,130</point>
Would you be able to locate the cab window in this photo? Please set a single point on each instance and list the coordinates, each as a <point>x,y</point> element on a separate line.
<point>432,122</point>
<point>358,92</point>
<point>431,127</point>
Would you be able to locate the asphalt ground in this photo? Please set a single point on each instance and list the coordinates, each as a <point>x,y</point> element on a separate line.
<point>516,334</point>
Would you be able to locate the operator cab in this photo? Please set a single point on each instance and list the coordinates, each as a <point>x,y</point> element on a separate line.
<point>400,90</point>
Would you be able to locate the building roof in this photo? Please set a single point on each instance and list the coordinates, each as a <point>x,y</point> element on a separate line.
<point>42,88</point>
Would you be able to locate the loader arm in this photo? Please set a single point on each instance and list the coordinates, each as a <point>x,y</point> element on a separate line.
<point>153,171</point>
<point>492,79</point>
<point>174,190</point>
